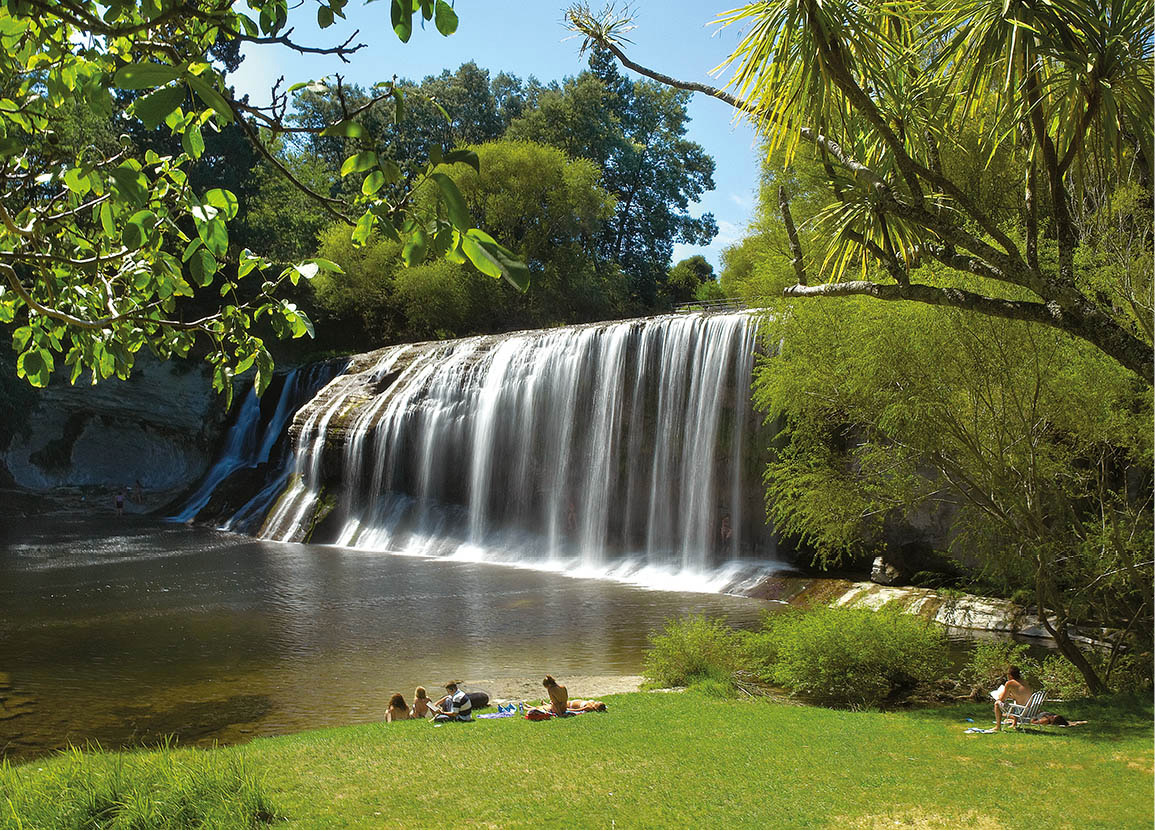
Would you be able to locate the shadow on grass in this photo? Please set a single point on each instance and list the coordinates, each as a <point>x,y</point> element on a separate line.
<point>1110,718</point>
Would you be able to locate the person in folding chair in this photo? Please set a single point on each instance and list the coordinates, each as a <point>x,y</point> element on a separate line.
<point>1014,691</point>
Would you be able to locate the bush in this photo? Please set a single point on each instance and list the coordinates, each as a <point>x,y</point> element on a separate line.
<point>160,789</point>
<point>854,657</point>
<point>987,667</point>
<point>693,650</point>
<point>1062,679</point>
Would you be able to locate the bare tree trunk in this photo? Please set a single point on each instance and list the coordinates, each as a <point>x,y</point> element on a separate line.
<point>1058,631</point>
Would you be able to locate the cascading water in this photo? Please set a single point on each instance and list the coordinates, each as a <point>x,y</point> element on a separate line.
<point>617,449</point>
<point>249,442</point>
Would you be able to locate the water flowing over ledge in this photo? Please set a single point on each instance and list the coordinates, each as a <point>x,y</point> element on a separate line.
<point>625,451</point>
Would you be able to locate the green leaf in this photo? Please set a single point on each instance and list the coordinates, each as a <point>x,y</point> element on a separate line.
<point>106,220</point>
<point>247,264</point>
<point>454,201</point>
<point>324,17</point>
<point>77,182</point>
<point>264,371</point>
<point>144,75</point>
<point>481,248</point>
<point>463,157</point>
<point>190,249</point>
<point>414,251</point>
<point>363,228</point>
<point>401,16</point>
<point>373,183</point>
<point>226,200</point>
<point>365,160</point>
<point>445,18</point>
<point>476,254</point>
<point>192,141</point>
<point>211,97</point>
<point>202,266</point>
<point>347,128</point>
<point>138,229</point>
<point>21,337</point>
<point>130,184</point>
<point>326,265</point>
<point>391,170</point>
<point>154,107</point>
<point>215,235</point>
<point>306,270</point>
<point>36,365</point>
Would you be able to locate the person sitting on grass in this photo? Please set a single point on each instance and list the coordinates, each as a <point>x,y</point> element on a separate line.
<point>1015,690</point>
<point>421,704</point>
<point>558,695</point>
<point>558,700</point>
<point>454,705</point>
<point>397,710</point>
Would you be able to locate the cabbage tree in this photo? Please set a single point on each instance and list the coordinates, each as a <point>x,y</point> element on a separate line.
<point>879,88</point>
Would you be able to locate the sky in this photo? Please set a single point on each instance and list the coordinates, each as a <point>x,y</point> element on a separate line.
<point>528,39</point>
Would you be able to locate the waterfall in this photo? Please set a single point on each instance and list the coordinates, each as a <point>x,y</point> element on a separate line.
<point>250,441</point>
<point>611,449</point>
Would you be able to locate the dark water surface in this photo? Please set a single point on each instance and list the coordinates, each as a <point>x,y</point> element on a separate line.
<point>124,632</point>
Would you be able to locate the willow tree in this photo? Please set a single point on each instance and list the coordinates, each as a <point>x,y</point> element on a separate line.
<point>102,248</point>
<point>879,87</point>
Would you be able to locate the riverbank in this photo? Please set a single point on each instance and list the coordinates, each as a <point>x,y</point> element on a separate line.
<point>651,761</point>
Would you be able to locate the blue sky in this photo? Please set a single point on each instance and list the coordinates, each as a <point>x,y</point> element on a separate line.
<point>527,39</point>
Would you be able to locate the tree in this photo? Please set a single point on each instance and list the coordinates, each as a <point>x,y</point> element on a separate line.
<point>635,132</point>
<point>101,246</point>
<point>879,88</point>
<point>687,277</point>
<point>540,204</point>
<point>1038,443</point>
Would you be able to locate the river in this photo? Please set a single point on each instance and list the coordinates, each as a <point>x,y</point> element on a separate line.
<point>125,631</point>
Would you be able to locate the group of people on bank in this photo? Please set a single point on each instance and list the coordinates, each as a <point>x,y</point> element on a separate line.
<point>457,705</point>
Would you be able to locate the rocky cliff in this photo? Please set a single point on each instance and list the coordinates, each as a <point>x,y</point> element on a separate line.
<point>159,427</point>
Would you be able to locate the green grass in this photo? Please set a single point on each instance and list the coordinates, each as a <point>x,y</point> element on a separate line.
<point>685,760</point>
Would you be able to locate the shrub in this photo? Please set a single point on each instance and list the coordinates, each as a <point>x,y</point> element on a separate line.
<point>854,657</point>
<point>159,789</point>
<point>690,650</point>
<point>1062,679</point>
<point>987,667</point>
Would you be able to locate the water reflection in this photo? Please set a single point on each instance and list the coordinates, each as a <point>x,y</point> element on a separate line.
<point>129,631</point>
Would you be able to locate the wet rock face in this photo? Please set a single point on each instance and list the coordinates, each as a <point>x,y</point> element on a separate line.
<point>159,427</point>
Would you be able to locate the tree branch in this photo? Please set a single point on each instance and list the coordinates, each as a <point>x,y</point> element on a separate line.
<point>792,236</point>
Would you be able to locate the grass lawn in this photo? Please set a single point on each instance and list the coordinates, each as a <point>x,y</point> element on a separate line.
<point>683,760</point>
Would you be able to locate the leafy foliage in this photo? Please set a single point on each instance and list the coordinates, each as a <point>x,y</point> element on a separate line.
<point>1039,444</point>
<point>103,244</point>
<point>854,657</point>
<point>537,203</point>
<point>881,92</point>
<point>635,132</point>
<point>987,665</point>
<point>692,650</point>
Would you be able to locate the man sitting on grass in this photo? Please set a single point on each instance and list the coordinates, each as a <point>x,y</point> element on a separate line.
<point>454,706</point>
